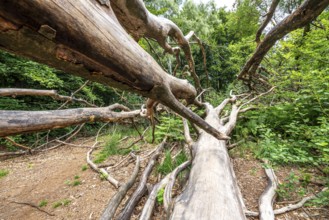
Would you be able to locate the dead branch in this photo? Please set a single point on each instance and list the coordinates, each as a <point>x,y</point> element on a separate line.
<point>267,198</point>
<point>73,145</point>
<point>101,171</point>
<point>18,145</point>
<point>159,28</point>
<point>289,207</point>
<point>167,196</point>
<point>149,205</point>
<point>115,201</point>
<point>35,92</point>
<point>268,18</point>
<point>232,146</point>
<point>141,188</point>
<point>33,206</point>
<point>187,135</point>
<point>66,140</point>
<point>75,92</point>
<point>302,16</point>
<point>18,122</point>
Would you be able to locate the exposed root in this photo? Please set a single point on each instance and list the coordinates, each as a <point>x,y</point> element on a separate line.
<point>33,206</point>
<point>141,188</point>
<point>102,171</point>
<point>167,196</point>
<point>289,207</point>
<point>149,205</point>
<point>267,198</point>
<point>115,201</point>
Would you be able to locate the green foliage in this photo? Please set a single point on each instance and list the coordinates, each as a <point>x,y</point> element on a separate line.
<point>43,203</point>
<point>112,142</point>
<point>169,164</point>
<point>160,196</point>
<point>170,126</point>
<point>321,200</point>
<point>3,173</point>
<point>294,128</point>
<point>110,148</point>
<point>75,181</point>
<point>64,202</point>
<point>290,187</point>
<point>84,167</point>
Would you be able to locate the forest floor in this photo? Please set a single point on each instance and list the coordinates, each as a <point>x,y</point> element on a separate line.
<point>59,180</point>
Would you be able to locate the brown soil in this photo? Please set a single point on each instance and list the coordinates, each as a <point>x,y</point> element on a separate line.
<point>49,176</point>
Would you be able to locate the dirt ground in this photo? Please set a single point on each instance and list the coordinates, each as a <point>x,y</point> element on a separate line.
<point>49,177</point>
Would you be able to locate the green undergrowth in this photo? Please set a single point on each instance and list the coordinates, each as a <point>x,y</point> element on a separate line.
<point>117,141</point>
<point>169,163</point>
<point>3,173</point>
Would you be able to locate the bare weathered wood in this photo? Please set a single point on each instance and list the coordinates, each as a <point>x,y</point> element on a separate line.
<point>115,201</point>
<point>267,19</point>
<point>211,180</point>
<point>149,204</point>
<point>35,92</point>
<point>139,22</point>
<point>290,207</point>
<point>302,16</point>
<point>167,195</point>
<point>101,171</point>
<point>267,198</point>
<point>17,122</point>
<point>141,188</point>
<point>85,38</point>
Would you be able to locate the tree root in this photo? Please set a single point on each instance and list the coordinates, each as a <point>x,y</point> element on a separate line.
<point>141,188</point>
<point>289,207</point>
<point>115,201</point>
<point>149,205</point>
<point>267,198</point>
<point>167,196</point>
<point>33,206</point>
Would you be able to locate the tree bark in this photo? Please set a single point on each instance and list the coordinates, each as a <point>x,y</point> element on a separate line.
<point>303,15</point>
<point>37,92</point>
<point>85,38</point>
<point>212,191</point>
<point>17,122</point>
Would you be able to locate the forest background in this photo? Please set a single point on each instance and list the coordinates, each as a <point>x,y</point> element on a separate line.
<point>289,127</point>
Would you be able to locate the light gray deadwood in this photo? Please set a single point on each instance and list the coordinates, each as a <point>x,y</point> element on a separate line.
<point>267,198</point>
<point>17,122</point>
<point>141,188</point>
<point>149,205</point>
<point>212,191</point>
<point>115,201</point>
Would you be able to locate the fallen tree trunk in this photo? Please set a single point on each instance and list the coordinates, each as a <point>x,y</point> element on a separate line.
<point>85,38</point>
<point>212,191</point>
<point>17,122</point>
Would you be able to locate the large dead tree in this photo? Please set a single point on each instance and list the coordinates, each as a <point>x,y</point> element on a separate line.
<point>86,39</point>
